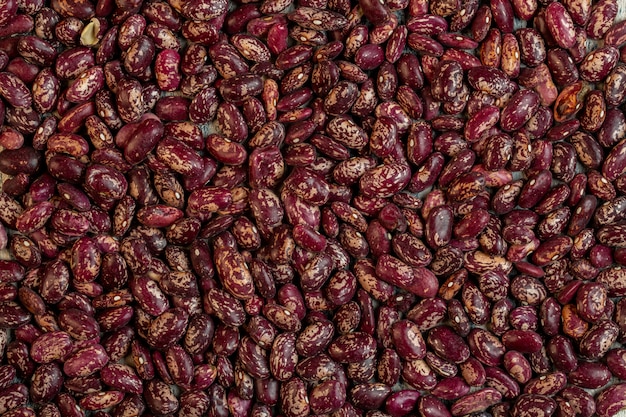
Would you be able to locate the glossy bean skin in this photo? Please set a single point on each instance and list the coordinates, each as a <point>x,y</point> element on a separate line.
<point>445,220</point>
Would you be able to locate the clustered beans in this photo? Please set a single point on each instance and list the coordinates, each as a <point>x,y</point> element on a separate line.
<point>313,207</point>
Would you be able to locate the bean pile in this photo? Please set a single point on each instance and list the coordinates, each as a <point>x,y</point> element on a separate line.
<point>312,207</point>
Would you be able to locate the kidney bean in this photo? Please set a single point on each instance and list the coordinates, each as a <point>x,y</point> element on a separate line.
<point>418,374</point>
<point>561,25</point>
<point>159,397</point>
<point>474,402</point>
<point>401,402</point>
<point>485,347</point>
<point>352,347</point>
<point>531,403</point>
<point>498,379</point>
<point>370,396</point>
<point>532,46</point>
<point>610,400</point>
<point>562,353</point>
<point>598,64</point>
<point>327,397</point>
<point>86,361</point>
<point>578,399</point>
<point>51,346</point>
<point>517,366</point>
<point>613,94</point>
<point>597,341</point>
<point>547,384</point>
<point>600,19</point>
<point>294,398</point>
<point>314,338</point>
<point>590,375</point>
<point>441,336</point>
<point>121,377</point>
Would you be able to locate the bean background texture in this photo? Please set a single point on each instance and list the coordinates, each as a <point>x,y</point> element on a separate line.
<point>312,207</point>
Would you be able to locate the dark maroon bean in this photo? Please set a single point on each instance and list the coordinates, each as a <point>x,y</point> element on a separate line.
<point>441,337</point>
<point>314,338</point>
<point>477,401</point>
<point>610,401</point>
<point>370,396</point>
<point>486,347</point>
<point>590,375</point>
<point>598,63</point>
<point>596,342</point>
<point>352,347</point>
<point>327,397</point>
<point>531,403</point>
<point>561,25</point>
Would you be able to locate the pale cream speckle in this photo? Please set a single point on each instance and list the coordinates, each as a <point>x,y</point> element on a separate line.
<point>66,196</point>
<point>459,38</point>
<point>462,12</point>
<point>604,181</point>
<point>177,195</point>
<point>457,319</point>
<point>555,257</point>
<point>117,298</point>
<point>141,361</point>
<point>602,113</point>
<point>533,182</point>
<point>27,244</point>
<point>317,22</point>
<point>196,252</point>
<point>487,19</point>
<point>180,268</point>
<point>124,223</point>
<point>300,76</point>
<point>287,313</point>
<point>497,50</point>
<point>516,55</point>
<point>40,130</point>
<point>302,38</point>
<point>319,56</point>
<point>450,284</point>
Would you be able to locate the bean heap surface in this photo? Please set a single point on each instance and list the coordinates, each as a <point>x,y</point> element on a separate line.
<point>339,208</point>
